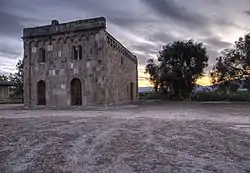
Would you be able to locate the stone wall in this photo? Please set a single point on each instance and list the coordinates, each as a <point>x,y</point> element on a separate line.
<point>121,71</point>
<point>59,68</point>
<point>106,69</point>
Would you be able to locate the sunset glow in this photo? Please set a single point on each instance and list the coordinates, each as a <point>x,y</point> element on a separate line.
<point>144,82</point>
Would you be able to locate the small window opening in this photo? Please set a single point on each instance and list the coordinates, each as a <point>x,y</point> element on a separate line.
<point>41,56</point>
<point>80,52</point>
<point>122,60</point>
<point>74,53</point>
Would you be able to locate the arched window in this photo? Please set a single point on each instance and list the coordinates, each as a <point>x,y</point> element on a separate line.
<point>74,53</point>
<point>41,55</point>
<point>79,52</point>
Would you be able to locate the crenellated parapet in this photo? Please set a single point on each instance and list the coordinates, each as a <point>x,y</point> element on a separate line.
<point>56,28</point>
<point>119,47</point>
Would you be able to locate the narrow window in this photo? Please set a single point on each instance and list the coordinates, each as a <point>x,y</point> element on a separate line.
<point>74,53</point>
<point>127,90</point>
<point>90,51</point>
<point>59,53</point>
<point>33,49</point>
<point>122,60</point>
<point>41,55</point>
<point>80,52</point>
<point>50,47</point>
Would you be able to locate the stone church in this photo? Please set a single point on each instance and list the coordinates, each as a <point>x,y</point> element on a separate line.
<point>77,64</point>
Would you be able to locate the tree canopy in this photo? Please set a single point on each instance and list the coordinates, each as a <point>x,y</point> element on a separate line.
<point>3,78</point>
<point>17,79</point>
<point>178,67</point>
<point>233,64</point>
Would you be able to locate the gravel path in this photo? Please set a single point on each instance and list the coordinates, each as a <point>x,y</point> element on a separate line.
<point>169,137</point>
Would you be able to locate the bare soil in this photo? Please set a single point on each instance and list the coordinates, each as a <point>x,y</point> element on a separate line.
<point>171,137</point>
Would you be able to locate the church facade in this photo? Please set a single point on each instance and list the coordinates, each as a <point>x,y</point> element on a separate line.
<point>77,64</point>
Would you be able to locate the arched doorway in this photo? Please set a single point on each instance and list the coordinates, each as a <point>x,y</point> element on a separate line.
<point>76,92</point>
<point>41,93</point>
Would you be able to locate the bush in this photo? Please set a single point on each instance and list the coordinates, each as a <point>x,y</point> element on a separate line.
<point>239,96</point>
<point>150,96</point>
<point>221,96</point>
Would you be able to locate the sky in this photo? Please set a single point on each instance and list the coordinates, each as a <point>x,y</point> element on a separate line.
<point>143,26</point>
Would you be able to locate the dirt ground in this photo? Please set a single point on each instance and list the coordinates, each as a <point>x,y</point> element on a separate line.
<point>170,137</point>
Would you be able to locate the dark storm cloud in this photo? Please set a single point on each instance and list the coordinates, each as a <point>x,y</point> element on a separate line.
<point>172,10</point>
<point>127,21</point>
<point>217,43</point>
<point>189,18</point>
<point>157,38</point>
<point>10,24</point>
<point>118,16</point>
<point>163,37</point>
<point>150,49</point>
<point>193,21</point>
<point>143,52</point>
<point>12,51</point>
<point>247,12</point>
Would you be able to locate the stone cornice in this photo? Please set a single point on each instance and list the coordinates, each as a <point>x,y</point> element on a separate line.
<point>116,44</point>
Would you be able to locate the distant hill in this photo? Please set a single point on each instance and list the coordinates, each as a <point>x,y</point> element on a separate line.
<point>145,89</point>
<point>199,88</point>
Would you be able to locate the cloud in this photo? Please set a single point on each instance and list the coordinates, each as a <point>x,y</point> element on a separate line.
<point>12,24</point>
<point>128,21</point>
<point>143,26</point>
<point>217,43</point>
<point>162,37</point>
<point>192,19</point>
<point>174,11</point>
<point>7,64</point>
<point>10,48</point>
<point>247,12</point>
<point>213,54</point>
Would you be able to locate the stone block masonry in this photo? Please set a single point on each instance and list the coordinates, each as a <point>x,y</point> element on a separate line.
<point>77,64</point>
